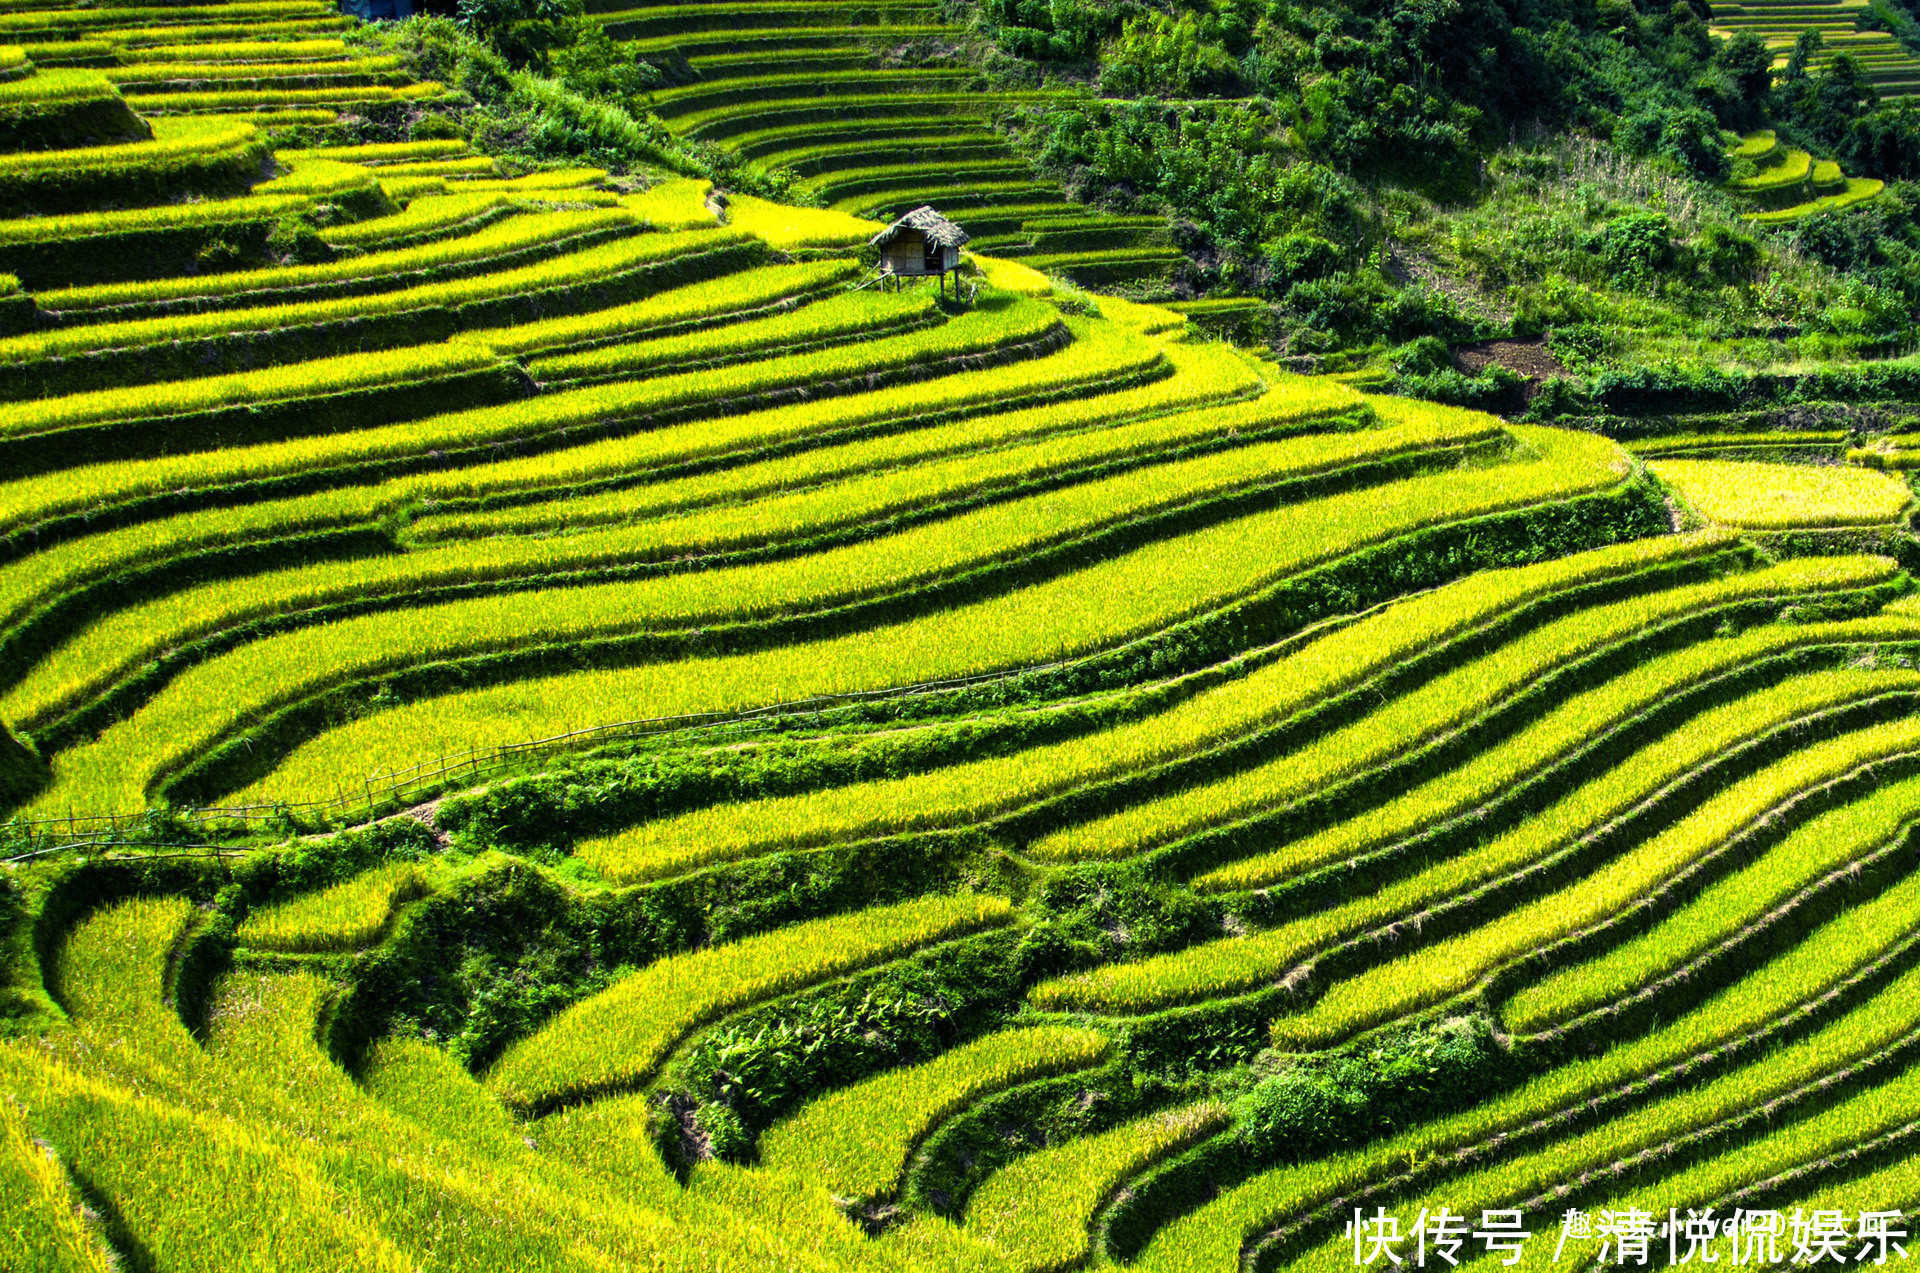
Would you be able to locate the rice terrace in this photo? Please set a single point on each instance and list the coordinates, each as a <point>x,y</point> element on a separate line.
<point>936,635</point>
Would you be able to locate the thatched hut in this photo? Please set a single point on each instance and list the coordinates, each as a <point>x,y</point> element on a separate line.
<point>920,244</point>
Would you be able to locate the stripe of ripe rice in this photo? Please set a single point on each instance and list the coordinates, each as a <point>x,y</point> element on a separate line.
<point>834,577</point>
<point>839,318</point>
<point>148,37</point>
<point>866,464</point>
<point>1825,844</point>
<point>263,1069</point>
<point>516,1208</point>
<point>424,1082</point>
<point>1881,1021</point>
<point>38,1211</point>
<point>87,224</point>
<point>1568,727</point>
<point>1885,1107</point>
<point>1792,170</point>
<point>514,234</point>
<point>1767,496</point>
<point>1100,354</point>
<point>1112,601</point>
<point>606,1138</point>
<point>1891,1188</point>
<point>377,152</point>
<point>617,1038</point>
<point>1900,459</point>
<point>1038,1209</point>
<point>1858,190</point>
<point>297,117</point>
<point>1241,963</point>
<point>325,176</point>
<point>570,269</point>
<point>1140,317</point>
<point>1012,275</point>
<point>789,228</point>
<point>982,788</point>
<point>252,100</point>
<point>1710,441</point>
<point>173,140</point>
<point>422,216</point>
<point>856,1141</point>
<point>185,1180</point>
<point>1094,608</point>
<point>346,916</point>
<point>32,580</point>
<point>261,386</point>
<point>710,299</point>
<point>676,204</point>
<point>178,18</point>
<point>1016,322</point>
<point>1447,703</point>
<point>24,502</point>
<point>554,179</point>
<point>113,964</point>
<point>149,74</point>
<point>1211,1237</point>
<point>470,166</point>
<point>55,84</point>
<point>813,1228</point>
<point>1452,966</point>
<point>261,1073</point>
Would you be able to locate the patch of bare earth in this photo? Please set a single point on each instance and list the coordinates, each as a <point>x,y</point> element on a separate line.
<point>1529,359</point>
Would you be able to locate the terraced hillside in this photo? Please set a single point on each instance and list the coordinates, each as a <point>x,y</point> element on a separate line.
<point>870,105</point>
<point>1786,185</point>
<point>884,783</point>
<point>1893,71</point>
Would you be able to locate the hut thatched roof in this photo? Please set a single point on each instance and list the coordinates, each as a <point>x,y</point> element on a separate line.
<point>930,223</point>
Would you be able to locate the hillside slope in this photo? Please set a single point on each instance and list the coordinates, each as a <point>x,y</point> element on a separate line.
<point>550,727</point>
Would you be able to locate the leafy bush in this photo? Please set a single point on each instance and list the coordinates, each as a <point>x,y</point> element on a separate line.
<point>748,1073</point>
<point>1423,357</point>
<point>1052,29</point>
<point>546,119</point>
<point>547,85</point>
<point>1494,389</point>
<point>1305,1104</point>
<point>1634,249</point>
<point>1162,54</point>
<point>525,32</point>
<point>1299,258</point>
<point>1728,255</point>
<point>1748,64</point>
<point>1688,139</point>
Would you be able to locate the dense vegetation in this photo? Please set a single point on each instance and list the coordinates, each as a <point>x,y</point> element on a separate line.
<point>553,717</point>
<point>1482,170</point>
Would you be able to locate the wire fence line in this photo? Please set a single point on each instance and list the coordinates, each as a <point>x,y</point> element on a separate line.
<point>148,850</point>
<point>399,787</point>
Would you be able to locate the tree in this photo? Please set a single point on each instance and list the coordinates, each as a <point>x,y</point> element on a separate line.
<point>525,32</point>
<point>1748,63</point>
<point>1805,49</point>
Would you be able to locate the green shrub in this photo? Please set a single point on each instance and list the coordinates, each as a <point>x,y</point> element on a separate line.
<point>1307,1104</point>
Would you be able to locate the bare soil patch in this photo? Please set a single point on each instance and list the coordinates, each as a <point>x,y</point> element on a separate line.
<point>1528,358</point>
